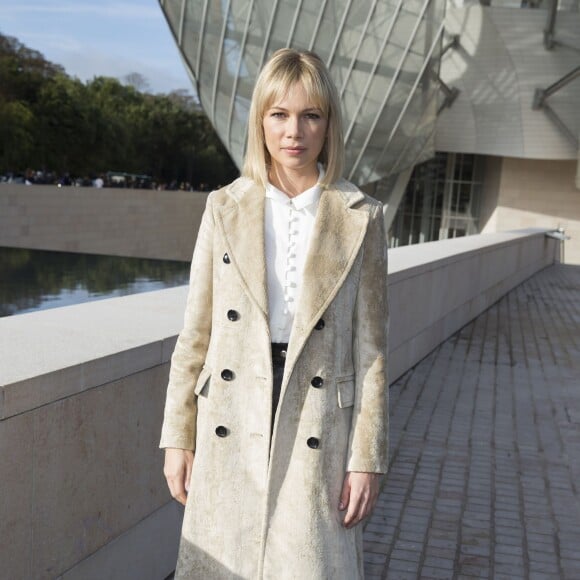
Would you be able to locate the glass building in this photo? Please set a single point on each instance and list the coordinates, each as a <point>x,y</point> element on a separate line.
<point>382,54</point>
<point>459,114</point>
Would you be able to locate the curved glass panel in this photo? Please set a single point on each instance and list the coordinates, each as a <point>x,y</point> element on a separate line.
<point>380,53</point>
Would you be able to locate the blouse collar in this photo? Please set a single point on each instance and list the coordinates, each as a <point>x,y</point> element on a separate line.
<point>303,200</point>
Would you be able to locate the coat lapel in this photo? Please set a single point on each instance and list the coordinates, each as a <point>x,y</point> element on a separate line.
<point>337,236</point>
<point>336,239</point>
<point>242,225</point>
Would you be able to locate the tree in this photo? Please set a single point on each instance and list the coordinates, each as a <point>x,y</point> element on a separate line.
<point>51,121</point>
<point>66,133</point>
<point>17,134</point>
<point>137,81</point>
<point>23,71</point>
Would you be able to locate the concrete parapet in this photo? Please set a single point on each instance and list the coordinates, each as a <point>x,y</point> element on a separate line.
<point>82,391</point>
<point>438,287</point>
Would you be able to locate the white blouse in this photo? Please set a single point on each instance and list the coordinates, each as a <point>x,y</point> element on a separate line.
<point>288,229</point>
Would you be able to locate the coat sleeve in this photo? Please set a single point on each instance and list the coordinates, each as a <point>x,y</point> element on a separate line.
<point>369,436</point>
<point>179,424</point>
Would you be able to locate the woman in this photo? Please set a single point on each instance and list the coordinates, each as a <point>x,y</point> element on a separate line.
<point>278,381</point>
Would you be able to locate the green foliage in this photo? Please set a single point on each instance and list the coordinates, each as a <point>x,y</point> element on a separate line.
<point>53,122</point>
<point>17,132</point>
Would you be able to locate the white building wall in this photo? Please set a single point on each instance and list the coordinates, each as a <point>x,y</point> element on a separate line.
<point>524,193</point>
<point>500,63</point>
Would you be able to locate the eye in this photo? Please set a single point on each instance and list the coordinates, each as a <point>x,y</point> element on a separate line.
<point>277,114</point>
<point>313,116</point>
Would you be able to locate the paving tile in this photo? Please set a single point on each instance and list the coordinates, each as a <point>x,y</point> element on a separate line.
<point>543,568</point>
<point>376,547</point>
<point>402,566</point>
<point>448,554</point>
<point>474,571</point>
<point>437,562</point>
<point>405,555</point>
<point>428,573</point>
<point>516,550</point>
<point>401,574</point>
<point>543,576</point>
<point>436,541</point>
<point>539,557</point>
<point>372,558</point>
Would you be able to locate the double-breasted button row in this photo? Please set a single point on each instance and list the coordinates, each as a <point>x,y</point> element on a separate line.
<point>227,375</point>
<point>316,382</point>
<point>312,442</point>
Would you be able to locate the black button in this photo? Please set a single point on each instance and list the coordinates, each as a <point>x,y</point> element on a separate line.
<point>221,431</point>
<point>227,375</point>
<point>226,259</point>
<point>319,324</point>
<point>233,315</point>
<point>313,442</point>
<point>317,382</point>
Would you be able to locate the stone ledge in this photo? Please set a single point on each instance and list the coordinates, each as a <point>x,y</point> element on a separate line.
<point>409,261</point>
<point>56,353</point>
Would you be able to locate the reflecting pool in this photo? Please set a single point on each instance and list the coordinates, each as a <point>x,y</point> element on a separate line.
<point>37,279</point>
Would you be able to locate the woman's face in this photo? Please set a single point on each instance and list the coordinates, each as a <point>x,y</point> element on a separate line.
<point>294,133</point>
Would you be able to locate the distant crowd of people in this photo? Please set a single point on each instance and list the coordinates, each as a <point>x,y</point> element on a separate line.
<point>110,179</point>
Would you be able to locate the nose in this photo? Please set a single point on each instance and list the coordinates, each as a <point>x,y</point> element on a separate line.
<point>293,127</point>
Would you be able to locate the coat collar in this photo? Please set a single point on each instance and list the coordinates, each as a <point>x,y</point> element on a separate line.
<point>337,236</point>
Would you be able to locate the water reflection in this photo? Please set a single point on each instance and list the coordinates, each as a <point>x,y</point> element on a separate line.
<point>37,279</point>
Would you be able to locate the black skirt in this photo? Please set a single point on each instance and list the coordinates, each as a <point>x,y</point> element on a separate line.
<point>279,351</point>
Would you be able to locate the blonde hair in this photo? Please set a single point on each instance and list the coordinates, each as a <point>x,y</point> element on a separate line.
<point>285,68</point>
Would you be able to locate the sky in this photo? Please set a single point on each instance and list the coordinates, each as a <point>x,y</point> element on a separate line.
<point>99,38</point>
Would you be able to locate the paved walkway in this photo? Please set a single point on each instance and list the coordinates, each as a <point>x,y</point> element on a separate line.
<point>485,447</point>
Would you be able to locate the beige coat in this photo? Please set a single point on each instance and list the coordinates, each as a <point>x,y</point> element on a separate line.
<point>262,507</point>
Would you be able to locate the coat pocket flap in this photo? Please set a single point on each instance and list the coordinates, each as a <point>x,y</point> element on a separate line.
<point>345,388</point>
<point>202,380</point>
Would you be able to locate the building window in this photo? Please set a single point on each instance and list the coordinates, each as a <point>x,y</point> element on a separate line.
<point>441,200</point>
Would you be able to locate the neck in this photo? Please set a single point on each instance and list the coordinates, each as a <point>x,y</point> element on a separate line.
<point>292,184</point>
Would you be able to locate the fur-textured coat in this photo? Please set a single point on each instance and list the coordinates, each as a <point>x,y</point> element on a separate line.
<point>262,506</point>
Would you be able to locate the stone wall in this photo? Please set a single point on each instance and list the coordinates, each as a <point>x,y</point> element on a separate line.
<point>115,222</point>
<point>82,390</point>
<point>533,194</point>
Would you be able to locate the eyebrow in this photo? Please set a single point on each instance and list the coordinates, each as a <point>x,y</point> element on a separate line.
<point>303,110</point>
